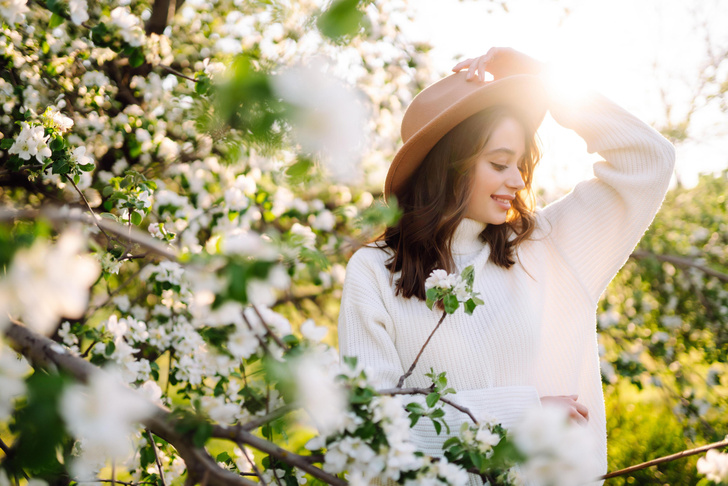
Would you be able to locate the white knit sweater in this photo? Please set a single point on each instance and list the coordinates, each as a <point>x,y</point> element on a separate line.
<point>536,333</point>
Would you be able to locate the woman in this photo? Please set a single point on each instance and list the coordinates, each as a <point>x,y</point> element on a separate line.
<point>463,179</point>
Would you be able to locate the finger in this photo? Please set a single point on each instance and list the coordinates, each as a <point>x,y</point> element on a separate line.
<point>577,417</point>
<point>481,68</point>
<point>583,411</point>
<point>462,65</point>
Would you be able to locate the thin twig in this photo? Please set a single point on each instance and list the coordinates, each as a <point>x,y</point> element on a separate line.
<point>277,413</point>
<point>4,447</point>
<point>427,391</point>
<point>681,262</point>
<point>671,457</point>
<point>177,73</point>
<point>156,457</point>
<point>270,331</point>
<point>93,214</point>
<point>252,464</point>
<point>260,339</point>
<point>414,363</point>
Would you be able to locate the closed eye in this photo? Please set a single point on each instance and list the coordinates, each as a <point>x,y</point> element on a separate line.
<point>499,167</point>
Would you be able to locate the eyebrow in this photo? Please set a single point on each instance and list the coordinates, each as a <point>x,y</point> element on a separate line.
<point>501,149</point>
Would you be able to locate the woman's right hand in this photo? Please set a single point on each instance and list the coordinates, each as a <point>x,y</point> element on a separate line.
<point>577,411</point>
<point>500,62</point>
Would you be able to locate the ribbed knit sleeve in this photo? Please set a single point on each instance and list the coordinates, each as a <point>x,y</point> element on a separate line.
<point>366,329</point>
<point>598,224</point>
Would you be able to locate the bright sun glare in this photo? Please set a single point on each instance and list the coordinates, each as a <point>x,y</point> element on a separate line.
<point>609,46</point>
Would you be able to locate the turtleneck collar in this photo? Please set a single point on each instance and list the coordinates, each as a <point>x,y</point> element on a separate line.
<point>465,240</point>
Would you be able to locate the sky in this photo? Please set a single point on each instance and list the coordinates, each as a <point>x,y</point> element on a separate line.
<point>629,50</point>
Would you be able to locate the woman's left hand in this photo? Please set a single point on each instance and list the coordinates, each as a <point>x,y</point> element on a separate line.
<point>577,411</point>
<point>500,62</point>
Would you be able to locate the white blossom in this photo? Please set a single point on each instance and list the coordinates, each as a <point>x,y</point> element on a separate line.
<point>714,465</point>
<point>312,332</point>
<point>54,275</point>
<point>329,119</point>
<point>321,396</point>
<point>14,10</point>
<point>31,142</point>
<point>12,372</point>
<point>78,10</point>
<point>103,413</point>
<point>558,451</point>
<point>129,25</point>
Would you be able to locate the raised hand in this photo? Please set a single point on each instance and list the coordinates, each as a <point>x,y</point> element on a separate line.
<point>500,62</point>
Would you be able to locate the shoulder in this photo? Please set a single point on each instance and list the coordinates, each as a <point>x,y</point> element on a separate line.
<point>371,258</point>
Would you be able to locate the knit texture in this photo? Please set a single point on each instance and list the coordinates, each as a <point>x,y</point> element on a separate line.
<point>536,333</point>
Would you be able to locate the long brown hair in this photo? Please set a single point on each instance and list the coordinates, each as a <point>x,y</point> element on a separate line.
<point>435,200</point>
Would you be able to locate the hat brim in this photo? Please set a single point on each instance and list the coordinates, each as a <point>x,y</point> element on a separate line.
<point>524,92</point>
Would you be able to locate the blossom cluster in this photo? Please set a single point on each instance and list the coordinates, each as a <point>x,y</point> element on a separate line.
<point>452,289</point>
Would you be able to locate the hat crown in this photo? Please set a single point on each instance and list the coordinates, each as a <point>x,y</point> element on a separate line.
<point>434,100</point>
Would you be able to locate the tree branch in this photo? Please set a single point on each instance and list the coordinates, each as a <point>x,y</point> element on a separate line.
<point>127,233</point>
<point>671,457</point>
<point>45,352</point>
<point>417,358</point>
<point>237,434</point>
<point>681,262</point>
<point>427,391</point>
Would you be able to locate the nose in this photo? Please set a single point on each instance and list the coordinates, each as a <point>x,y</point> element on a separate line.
<point>515,179</point>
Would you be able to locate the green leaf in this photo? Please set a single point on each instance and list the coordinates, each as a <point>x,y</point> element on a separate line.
<point>432,399</point>
<point>437,413</point>
<point>438,426</point>
<point>202,433</point>
<point>106,192</point>
<point>6,143</point>
<point>450,442</point>
<point>136,218</point>
<point>469,307</point>
<point>341,19</point>
<point>87,167</point>
<point>56,143</point>
<point>451,303</point>
<point>136,58</point>
<point>61,166</point>
<point>414,418</point>
<point>415,407</point>
<point>299,169</point>
<point>468,275</point>
<point>55,21</point>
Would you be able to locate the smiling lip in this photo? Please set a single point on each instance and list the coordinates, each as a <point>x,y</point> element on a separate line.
<point>503,200</point>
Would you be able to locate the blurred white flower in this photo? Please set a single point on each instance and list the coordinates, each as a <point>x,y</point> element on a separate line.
<point>714,465</point>
<point>130,26</point>
<point>13,369</point>
<point>14,10</point>
<point>323,399</point>
<point>78,10</point>
<point>103,413</point>
<point>47,282</point>
<point>55,119</point>
<point>312,332</point>
<point>329,118</point>
<point>559,452</point>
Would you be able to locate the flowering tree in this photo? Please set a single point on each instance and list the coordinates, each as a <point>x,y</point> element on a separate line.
<point>167,173</point>
<point>177,207</point>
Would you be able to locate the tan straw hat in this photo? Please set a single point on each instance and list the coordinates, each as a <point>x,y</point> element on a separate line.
<point>443,105</point>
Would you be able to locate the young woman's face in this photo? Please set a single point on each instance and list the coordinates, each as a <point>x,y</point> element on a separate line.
<point>496,175</point>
